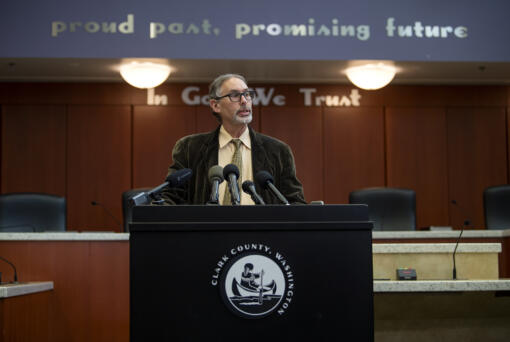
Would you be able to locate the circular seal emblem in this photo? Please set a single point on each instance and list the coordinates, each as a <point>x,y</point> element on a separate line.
<point>254,280</point>
<point>253,286</point>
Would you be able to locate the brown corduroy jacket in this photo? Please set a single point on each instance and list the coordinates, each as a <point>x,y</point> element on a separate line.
<point>199,152</point>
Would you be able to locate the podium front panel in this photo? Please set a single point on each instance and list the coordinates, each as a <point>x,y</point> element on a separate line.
<point>191,281</point>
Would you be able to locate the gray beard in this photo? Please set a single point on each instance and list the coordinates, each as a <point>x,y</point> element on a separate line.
<point>245,120</point>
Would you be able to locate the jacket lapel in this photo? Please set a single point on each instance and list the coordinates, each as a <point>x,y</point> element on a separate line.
<point>259,158</point>
<point>210,149</point>
<point>260,162</point>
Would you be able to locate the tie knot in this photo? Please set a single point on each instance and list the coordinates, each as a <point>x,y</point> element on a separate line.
<point>237,143</point>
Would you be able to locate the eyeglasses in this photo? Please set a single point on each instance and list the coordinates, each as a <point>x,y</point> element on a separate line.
<point>236,97</point>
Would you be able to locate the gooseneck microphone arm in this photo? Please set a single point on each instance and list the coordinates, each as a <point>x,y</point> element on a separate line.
<point>249,188</point>
<point>465,224</point>
<point>108,212</point>
<point>13,267</point>
<point>277,193</point>
<point>265,181</point>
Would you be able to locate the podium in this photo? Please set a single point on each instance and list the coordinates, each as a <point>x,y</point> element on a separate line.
<point>251,273</point>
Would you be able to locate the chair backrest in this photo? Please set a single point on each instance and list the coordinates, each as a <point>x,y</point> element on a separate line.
<point>32,212</point>
<point>496,203</point>
<point>127,206</point>
<point>389,208</point>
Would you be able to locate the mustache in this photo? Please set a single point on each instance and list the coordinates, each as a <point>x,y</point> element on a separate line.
<point>242,109</point>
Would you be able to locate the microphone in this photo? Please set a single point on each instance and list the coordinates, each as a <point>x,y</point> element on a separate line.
<point>231,173</point>
<point>176,179</point>
<point>216,178</point>
<point>14,268</point>
<point>179,177</point>
<point>466,223</point>
<point>249,188</point>
<point>109,213</point>
<point>265,181</point>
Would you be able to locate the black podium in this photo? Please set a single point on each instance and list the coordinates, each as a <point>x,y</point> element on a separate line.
<point>251,273</point>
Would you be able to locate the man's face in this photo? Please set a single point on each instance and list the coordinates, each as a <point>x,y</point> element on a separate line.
<point>233,113</point>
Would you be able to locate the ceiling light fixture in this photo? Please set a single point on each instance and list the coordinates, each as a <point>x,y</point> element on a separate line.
<point>144,75</point>
<point>371,76</point>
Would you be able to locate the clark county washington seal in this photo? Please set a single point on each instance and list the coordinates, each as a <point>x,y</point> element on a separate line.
<point>254,281</point>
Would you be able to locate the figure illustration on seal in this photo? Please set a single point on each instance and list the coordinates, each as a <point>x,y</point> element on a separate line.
<point>249,288</point>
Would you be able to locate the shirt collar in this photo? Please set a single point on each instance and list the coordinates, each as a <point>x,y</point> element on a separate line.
<point>224,137</point>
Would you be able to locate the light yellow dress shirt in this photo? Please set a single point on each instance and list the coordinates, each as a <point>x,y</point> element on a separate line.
<point>225,153</point>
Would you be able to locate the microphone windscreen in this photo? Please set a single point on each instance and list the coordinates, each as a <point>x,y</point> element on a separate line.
<point>230,168</point>
<point>216,172</point>
<point>262,178</point>
<point>246,186</point>
<point>179,177</point>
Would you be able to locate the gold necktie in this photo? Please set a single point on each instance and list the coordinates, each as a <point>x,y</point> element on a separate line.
<point>237,160</point>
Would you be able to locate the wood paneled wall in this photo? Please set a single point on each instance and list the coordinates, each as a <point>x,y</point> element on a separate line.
<point>155,131</point>
<point>90,300</point>
<point>33,148</point>
<point>354,151</point>
<point>98,163</point>
<point>417,158</point>
<point>301,128</point>
<point>477,141</point>
<point>91,142</point>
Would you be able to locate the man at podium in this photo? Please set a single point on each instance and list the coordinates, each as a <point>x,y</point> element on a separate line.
<point>233,142</point>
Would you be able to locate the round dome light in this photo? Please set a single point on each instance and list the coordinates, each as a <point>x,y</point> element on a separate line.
<point>144,75</point>
<point>371,76</point>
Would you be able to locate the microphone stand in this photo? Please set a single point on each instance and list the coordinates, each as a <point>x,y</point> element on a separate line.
<point>145,198</point>
<point>14,268</point>
<point>466,223</point>
<point>108,212</point>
